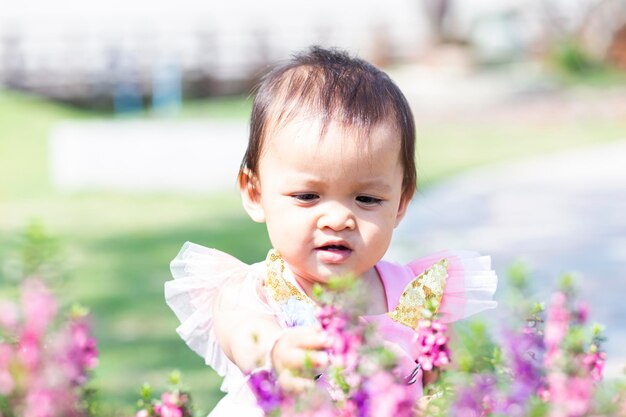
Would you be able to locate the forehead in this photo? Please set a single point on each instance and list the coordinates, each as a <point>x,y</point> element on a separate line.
<point>303,144</point>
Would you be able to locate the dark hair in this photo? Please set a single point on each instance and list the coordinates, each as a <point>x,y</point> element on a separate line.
<point>335,87</point>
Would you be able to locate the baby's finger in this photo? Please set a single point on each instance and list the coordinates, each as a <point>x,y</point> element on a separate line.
<point>300,349</point>
<point>309,337</point>
<point>292,383</point>
<point>305,360</point>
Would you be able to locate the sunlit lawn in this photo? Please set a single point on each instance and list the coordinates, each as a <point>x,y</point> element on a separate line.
<point>117,247</point>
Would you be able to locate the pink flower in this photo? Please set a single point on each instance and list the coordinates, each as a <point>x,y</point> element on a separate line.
<point>389,398</point>
<point>345,341</point>
<point>142,413</point>
<point>8,315</point>
<point>170,398</point>
<point>7,384</point>
<point>582,312</point>
<point>83,349</point>
<point>580,392</point>
<point>432,344</point>
<point>557,325</point>
<point>84,344</point>
<point>6,353</point>
<point>595,363</point>
<point>569,397</point>
<point>170,410</point>
<point>39,306</point>
<point>170,405</point>
<point>40,403</point>
<point>29,351</point>
<point>544,394</point>
<point>76,351</point>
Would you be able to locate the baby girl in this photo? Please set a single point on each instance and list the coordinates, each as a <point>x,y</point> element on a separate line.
<point>330,170</point>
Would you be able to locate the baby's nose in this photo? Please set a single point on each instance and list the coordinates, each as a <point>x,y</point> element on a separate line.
<point>337,217</point>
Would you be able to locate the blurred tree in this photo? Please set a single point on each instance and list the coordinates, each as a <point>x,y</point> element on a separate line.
<point>617,50</point>
<point>437,13</point>
<point>12,63</point>
<point>577,33</point>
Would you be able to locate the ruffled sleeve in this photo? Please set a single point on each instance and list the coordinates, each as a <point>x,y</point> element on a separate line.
<point>469,286</point>
<point>462,282</point>
<point>200,275</point>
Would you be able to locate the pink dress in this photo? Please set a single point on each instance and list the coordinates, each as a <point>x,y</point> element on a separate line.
<point>462,281</point>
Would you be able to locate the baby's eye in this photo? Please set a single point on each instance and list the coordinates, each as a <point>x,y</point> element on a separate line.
<point>368,200</point>
<point>305,197</point>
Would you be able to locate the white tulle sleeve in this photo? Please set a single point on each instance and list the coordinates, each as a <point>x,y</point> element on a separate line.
<point>470,286</point>
<point>200,275</point>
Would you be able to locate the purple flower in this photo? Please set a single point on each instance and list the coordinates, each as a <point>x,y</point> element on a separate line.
<point>475,399</point>
<point>265,387</point>
<point>523,351</point>
<point>361,400</point>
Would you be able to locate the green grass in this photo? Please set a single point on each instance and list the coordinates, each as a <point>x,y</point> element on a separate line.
<point>117,247</point>
<point>446,150</point>
<point>116,250</point>
<point>228,108</point>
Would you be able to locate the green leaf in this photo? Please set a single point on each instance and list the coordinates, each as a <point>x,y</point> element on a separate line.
<point>146,392</point>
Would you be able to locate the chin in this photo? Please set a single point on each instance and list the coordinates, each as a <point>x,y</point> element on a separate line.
<point>338,270</point>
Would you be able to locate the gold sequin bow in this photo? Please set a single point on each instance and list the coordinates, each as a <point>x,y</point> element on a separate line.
<point>422,291</point>
<point>278,287</point>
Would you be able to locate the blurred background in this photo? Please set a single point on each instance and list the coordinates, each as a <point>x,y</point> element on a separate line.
<point>122,125</point>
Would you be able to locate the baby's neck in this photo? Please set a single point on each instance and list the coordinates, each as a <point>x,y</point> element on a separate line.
<point>373,287</point>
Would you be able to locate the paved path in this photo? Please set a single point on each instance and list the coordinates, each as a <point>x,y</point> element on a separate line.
<point>563,212</point>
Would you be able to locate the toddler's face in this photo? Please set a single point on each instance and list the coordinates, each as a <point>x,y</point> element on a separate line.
<point>330,204</point>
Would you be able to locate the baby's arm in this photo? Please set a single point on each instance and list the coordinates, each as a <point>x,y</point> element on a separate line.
<point>247,337</point>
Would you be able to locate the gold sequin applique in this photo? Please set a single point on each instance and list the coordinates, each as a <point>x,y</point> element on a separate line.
<point>426,287</point>
<point>279,288</point>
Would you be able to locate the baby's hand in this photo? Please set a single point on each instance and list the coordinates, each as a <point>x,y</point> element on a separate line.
<point>298,356</point>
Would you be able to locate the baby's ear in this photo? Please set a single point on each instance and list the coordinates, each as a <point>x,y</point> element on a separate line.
<point>404,204</point>
<point>250,189</point>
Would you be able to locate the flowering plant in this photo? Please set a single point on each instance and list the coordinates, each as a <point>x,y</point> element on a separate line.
<point>174,402</point>
<point>547,362</point>
<point>46,357</point>
<point>363,377</point>
<point>44,365</point>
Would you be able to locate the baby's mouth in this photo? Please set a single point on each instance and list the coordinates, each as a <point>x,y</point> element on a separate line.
<point>333,254</point>
<point>334,248</point>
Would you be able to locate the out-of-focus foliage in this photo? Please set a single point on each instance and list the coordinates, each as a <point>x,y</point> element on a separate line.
<point>547,361</point>
<point>174,402</point>
<point>46,355</point>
